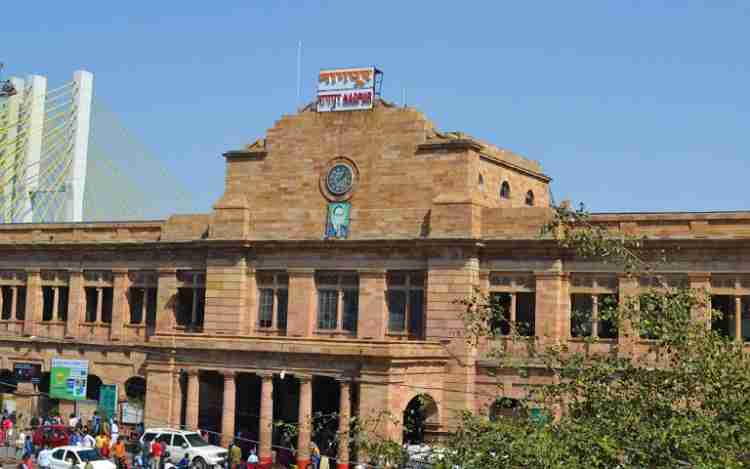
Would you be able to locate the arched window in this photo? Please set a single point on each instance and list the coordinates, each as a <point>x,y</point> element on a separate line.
<point>505,190</point>
<point>480,182</point>
<point>530,199</point>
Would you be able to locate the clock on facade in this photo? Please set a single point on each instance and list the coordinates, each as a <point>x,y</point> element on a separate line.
<point>339,179</point>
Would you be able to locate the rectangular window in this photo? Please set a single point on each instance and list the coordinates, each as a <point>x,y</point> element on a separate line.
<point>48,306</point>
<point>135,301</point>
<point>581,315</point>
<point>525,313</point>
<point>142,296</point>
<point>513,302</point>
<point>724,325</point>
<point>265,314</point>
<point>92,303</point>
<point>282,302</point>
<point>191,299</point>
<point>405,298</point>
<point>338,293</point>
<point>7,298</point>
<point>62,303</point>
<point>107,304</point>
<point>21,303</point>
<point>593,301</point>
<point>273,299</point>
<point>328,303</point>
<point>351,310</point>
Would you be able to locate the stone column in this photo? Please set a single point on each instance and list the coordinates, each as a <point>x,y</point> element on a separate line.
<point>345,405</point>
<point>305,421</point>
<point>33,302</point>
<point>228,411</point>
<point>302,306</point>
<point>552,305</point>
<point>175,417</point>
<point>193,400</point>
<point>627,335</point>
<point>121,283</point>
<point>700,282</point>
<point>266,419</point>
<point>75,303</point>
<point>165,301</point>
<point>373,313</point>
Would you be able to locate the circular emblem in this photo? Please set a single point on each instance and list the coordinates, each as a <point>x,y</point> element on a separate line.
<point>339,179</point>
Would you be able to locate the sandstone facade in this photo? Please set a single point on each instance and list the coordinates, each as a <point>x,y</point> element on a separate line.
<point>217,307</point>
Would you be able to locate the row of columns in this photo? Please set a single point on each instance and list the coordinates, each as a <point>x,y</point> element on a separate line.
<point>266,414</point>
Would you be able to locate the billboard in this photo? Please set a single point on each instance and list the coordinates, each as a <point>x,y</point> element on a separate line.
<point>347,89</point>
<point>67,379</point>
<point>27,372</point>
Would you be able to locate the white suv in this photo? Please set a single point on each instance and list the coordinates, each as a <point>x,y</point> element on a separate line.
<point>200,453</point>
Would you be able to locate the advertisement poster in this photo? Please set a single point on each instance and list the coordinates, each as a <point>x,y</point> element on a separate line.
<point>68,379</point>
<point>337,224</point>
<point>108,400</point>
<point>27,372</point>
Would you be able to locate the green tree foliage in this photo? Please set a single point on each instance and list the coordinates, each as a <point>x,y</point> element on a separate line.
<point>684,402</point>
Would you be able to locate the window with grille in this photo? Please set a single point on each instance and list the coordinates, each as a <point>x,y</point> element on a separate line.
<point>405,298</point>
<point>338,301</point>
<point>273,300</point>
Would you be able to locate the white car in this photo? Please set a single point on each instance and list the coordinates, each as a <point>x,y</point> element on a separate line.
<point>200,453</point>
<point>75,457</point>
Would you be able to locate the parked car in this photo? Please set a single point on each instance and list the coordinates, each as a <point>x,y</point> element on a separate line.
<point>53,435</point>
<point>75,457</point>
<point>200,453</point>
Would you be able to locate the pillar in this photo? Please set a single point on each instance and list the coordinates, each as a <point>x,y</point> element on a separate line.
<point>627,335</point>
<point>165,301</point>
<point>700,282</point>
<point>75,303</point>
<point>228,411</point>
<point>345,405</point>
<point>33,302</point>
<point>552,305</point>
<point>266,419</point>
<point>373,313</point>
<point>175,415</point>
<point>193,400</point>
<point>301,310</point>
<point>120,285</point>
<point>305,421</point>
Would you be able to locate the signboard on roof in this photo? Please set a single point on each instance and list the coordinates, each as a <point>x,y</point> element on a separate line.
<point>348,89</point>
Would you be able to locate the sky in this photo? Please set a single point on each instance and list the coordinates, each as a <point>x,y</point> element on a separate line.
<point>629,106</point>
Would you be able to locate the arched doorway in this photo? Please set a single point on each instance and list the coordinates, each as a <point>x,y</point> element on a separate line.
<point>93,385</point>
<point>135,392</point>
<point>506,407</point>
<point>420,419</point>
<point>8,382</point>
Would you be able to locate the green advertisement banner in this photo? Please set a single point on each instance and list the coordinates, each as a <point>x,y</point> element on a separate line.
<point>68,379</point>
<point>108,400</point>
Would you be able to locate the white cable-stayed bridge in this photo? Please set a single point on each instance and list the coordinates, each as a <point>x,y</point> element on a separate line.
<point>64,157</point>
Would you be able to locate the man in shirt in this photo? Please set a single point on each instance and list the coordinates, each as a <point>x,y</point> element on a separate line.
<point>155,454</point>
<point>119,451</point>
<point>43,459</point>
<point>89,441</point>
<point>235,456</point>
<point>73,421</point>
<point>114,431</point>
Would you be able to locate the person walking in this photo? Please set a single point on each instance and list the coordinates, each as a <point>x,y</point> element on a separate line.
<point>146,455</point>
<point>155,455</point>
<point>235,456</point>
<point>252,459</point>
<point>114,431</point>
<point>119,453</point>
<point>43,459</point>
<point>28,445</point>
<point>96,422</point>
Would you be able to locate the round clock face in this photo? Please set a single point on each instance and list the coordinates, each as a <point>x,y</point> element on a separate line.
<point>339,179</point>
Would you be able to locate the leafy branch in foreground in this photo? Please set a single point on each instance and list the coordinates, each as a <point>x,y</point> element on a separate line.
<point>669,392</point>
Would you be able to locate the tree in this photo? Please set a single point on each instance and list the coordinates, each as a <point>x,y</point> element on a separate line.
<point>685,402</point>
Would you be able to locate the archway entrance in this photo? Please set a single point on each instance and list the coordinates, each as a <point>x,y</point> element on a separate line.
<point>420,418</point>
<point>8,382</point>
<point>93,385</point>
<point>325,408</point>
<point>135,391</point>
